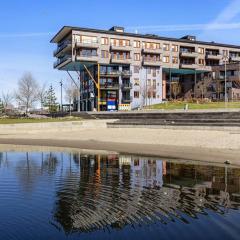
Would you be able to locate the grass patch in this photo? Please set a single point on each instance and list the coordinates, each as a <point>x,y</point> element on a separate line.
<point>180,105</point>
<point>35,120</point>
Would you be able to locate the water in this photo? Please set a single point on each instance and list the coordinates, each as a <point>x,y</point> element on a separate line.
<point>53,195</point>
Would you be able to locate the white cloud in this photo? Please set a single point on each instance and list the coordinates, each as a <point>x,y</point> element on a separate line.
<point>30,34</point>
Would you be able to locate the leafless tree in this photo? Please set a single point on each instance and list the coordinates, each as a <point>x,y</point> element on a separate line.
<point>71,92</point>
<point>7,99</point>
<point>176,89</point>
<point>41,94</point>
<point>27,92</point>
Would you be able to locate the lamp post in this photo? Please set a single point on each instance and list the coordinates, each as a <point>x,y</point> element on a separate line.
<point>225,59</point>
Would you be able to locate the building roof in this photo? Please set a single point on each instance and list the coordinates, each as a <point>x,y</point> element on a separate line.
<point>67,29</point>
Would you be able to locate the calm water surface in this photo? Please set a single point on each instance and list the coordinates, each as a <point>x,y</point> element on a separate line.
<point>54,195</point>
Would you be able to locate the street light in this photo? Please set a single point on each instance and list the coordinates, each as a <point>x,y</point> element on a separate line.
<point>225,59</point>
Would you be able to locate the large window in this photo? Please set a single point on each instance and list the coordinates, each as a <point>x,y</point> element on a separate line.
<point>166,47</point>
<point>120,42</point>
<point>151,45</point>
<point>104,54</point>
<point>136,44</point>
<point>136,56</point>
<point>85,39</point>
<point>104,41</point>
<point>136,94</point>
<point>201,61</point>
<point>166,59</point>
<point>201,50</point>
<point>175,60</point>
<point>175,48</point>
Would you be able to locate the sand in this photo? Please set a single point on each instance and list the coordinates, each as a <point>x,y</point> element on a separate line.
<point>190,144</point>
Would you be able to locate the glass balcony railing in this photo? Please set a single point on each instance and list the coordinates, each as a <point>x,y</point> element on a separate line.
<point>62,46</point>
<point>61,60</point>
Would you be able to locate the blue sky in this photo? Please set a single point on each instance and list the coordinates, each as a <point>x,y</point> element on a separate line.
<point>27,26</point>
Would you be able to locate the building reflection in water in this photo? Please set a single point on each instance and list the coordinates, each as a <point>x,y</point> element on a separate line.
<point>92,192</point>
<point>116,190</point>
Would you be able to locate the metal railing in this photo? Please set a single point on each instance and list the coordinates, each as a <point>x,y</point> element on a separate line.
<point>61,60</point>
<point>126,85</point>
<point>62,46</point>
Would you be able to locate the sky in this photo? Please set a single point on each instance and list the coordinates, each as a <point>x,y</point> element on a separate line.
<point>27,26</point>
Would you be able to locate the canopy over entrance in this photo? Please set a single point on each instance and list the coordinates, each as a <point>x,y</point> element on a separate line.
<point>183,71</point>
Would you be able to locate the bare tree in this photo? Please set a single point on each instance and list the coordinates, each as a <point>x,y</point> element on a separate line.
<point>41,94</point>
<point>176,89</point>
<point>27,92</point>
<point>7,99</point>
<point>71,92</point>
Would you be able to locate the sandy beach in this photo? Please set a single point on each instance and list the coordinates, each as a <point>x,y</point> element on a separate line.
<point>190,144</point>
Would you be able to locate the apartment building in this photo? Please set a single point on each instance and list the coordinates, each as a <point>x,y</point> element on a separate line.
<point>119,70</point>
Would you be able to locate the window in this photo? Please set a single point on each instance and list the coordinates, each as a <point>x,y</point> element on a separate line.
<point>154,84</point>
<point>104,41</point>
<point>136,44</point>
<point>149,70</point>
<point>136,69</point>
<point>136,56</point>
<point>154,94</point>
<point>104,54</point>
<point>175,60</point>
<point>154,72</point>
<point>136,94</point>
<point>166,47</point>
<point>88,39</point>
<point>120,42</point>
<point>201,61</point>
<point>149,82</point>
<point>175,48</point>
<point>201,50</point>
<point>149,94</point>
<point>136,82</point>
<point>151,45</point>
<point>166,59</point>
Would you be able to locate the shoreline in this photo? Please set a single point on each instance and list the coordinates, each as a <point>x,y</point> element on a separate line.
<point>214,146</point>
<point>218,156</point>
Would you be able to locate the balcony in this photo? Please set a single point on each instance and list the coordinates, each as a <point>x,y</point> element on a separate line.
<point>152,51</point>
<point>127,100</point>
<point>204,68</point>
<point>126,86</point>
<point>120,60</point>
<point>151,62</point>
<point>87,58</point>
<point>234,78</point>
<point>87,44</point>
<point>188,65</point>
<point>188,54</point>
<point>66,45</point>
<point>214,56</point>
<point>121,48</point>
<point>62,61</point>
<point>235,58</point>
<point>113,73</point>
<point>126,73</point>
<point>109,86</point>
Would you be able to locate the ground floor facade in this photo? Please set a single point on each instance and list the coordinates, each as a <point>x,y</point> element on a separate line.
<point>128,87</point>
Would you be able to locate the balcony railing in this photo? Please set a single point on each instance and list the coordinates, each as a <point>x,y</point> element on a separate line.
<point>121,47</point>
<point>61,60</point>
<point>62,46</point>
<point>126,85</point>
<point>126,73</point>
<point>87,43</point>
<point>87,57</point>
<point>109,85</point>
<point>110,73</point>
